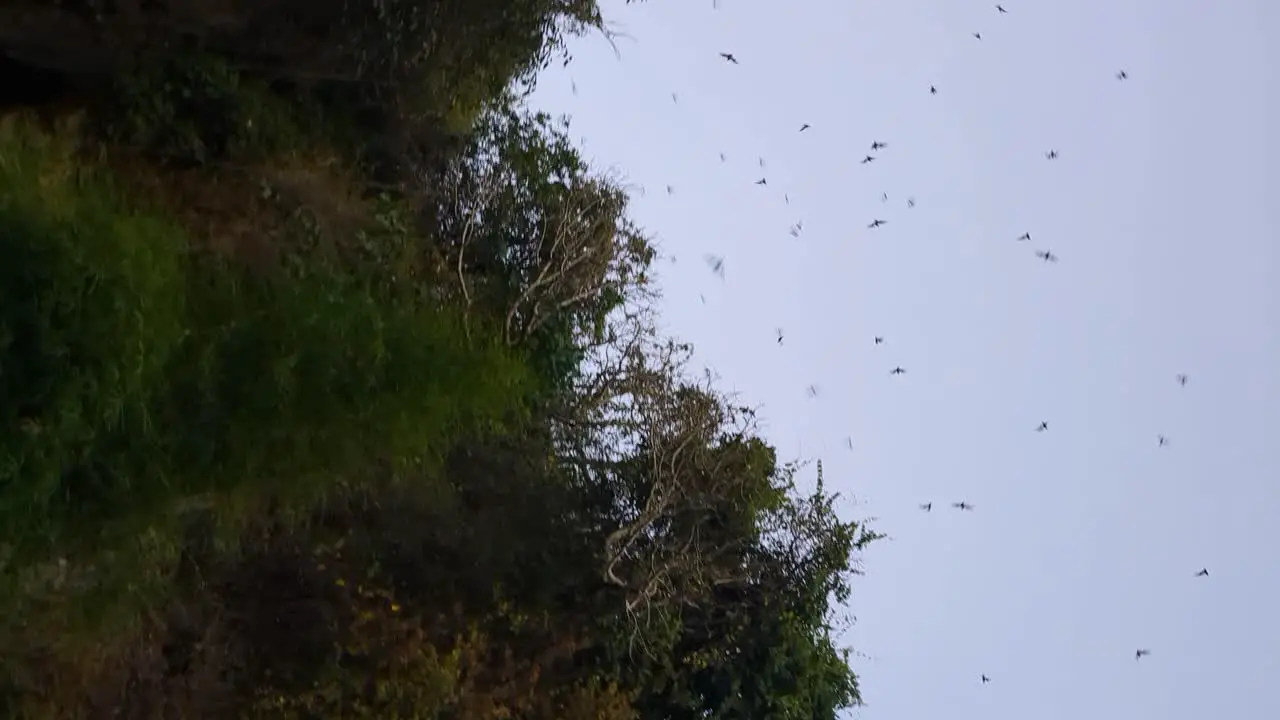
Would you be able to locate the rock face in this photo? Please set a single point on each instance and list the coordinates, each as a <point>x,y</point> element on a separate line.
<point>49,35</point>
<point>52,50</point>
<point>92,36</point>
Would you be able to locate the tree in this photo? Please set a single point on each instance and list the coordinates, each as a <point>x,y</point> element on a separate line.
<point>411,527</point>
<point>534,235</point>
<point>729,574</point>
<point>765,647</point>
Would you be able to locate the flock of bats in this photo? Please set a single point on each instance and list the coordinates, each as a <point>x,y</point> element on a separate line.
<point>717,265</point>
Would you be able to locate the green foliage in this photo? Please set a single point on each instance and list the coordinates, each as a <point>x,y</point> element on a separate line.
<point>132,381</point>
<point>423,454</point>
<point>492,44</point>
<point>94,311</point>
<point>765,647</point>
<point>530,206</point>
<point>198,108</point>
<point>318,375</point>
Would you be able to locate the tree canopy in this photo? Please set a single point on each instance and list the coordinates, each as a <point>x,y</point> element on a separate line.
<point>330,386</point>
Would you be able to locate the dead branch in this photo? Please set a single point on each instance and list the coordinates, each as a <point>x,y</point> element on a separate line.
<point>469,201</point>
<point>575,251</point>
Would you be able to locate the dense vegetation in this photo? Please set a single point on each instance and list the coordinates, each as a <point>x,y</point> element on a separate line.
<point>329,387</point>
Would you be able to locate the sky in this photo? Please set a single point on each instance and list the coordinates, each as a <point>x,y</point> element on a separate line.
<point>1085,539</point>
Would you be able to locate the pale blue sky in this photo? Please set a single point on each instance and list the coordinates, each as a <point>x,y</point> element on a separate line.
<point>1163,209</point>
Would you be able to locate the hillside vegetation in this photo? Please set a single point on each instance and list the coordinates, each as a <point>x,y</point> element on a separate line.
<point>330,388</point>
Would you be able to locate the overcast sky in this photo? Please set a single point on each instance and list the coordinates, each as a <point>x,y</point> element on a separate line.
<point>1162,207</point>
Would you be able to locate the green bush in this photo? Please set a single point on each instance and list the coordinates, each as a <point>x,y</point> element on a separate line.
<point>198,108</point>
<point>133,379</point>
<point>314,378</point>
<point>91,312</point>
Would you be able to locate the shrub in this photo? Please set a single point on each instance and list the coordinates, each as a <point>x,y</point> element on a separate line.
<point>198,108</point>
<point>91,312</point>
<point>135,383</point>
<point>314,378</point>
